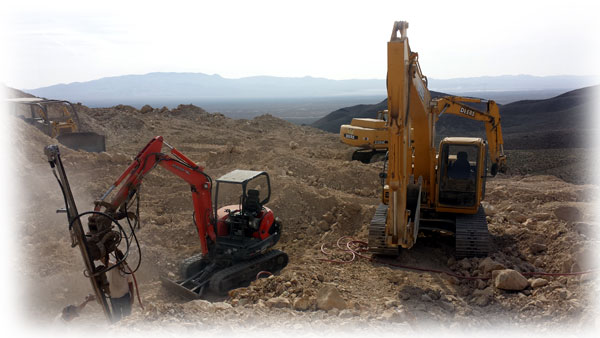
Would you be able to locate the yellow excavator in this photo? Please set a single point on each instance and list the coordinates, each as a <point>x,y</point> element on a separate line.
<point>425,189</point>
<point>57,119</point>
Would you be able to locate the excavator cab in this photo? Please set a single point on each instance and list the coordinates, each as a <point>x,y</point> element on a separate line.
<point>460,170</point>
<point>252,184</point>
<point>244,225</point>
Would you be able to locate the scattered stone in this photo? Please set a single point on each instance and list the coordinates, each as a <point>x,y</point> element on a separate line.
<point>488,265</point>
<point>329,297</point>
<point>488,292</point>
<point>509,279</point>
<point>323,225</point>
<point>346,314</point>
<point>328,217</point>
<point>220,306</point>
<point>530,224</point>
<point>302,304</point>
<point>481,301</point>
<point>564,293</point>
<point>395,278</point>
<point>104,157</point>
<point>538,282</point>
<point>293,145</point>
<point>488,208</point>
<point>464,263</point>
<point>391,303</point>
<point>517,216</point>
<point>161,220</point>
<point>449,307</point>
<point>202,305</point>
<point>451,279</point>
<point>537,247</point>
<point>391,315</point>
<point>542,216</point>
<point>426,298</point>
<point>278,303</point>
<point>481,284</point>
<point>568,213</point>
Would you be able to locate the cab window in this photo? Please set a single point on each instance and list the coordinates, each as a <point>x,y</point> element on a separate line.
<point>458,184</point>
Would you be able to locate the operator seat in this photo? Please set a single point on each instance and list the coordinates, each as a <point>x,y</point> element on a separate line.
<point>461,169</point>
<point>252,202</point>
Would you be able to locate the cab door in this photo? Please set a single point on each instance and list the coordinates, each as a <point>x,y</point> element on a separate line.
<point>458,172</point>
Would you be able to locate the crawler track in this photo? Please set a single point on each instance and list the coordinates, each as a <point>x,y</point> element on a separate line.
<point>241,274</point>
<point>472,235</point>
<point>377,244</point>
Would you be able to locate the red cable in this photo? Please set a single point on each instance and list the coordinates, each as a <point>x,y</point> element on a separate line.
<point>363,247</point>
<point>137,290</point>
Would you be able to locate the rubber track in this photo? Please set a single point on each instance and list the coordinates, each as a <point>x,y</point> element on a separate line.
<point>186,263</point>
<point>472,235</point>
<point>245,272</point>
<point>377,244</point>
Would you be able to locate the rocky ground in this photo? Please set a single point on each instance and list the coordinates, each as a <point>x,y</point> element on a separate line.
<point>539,223</point>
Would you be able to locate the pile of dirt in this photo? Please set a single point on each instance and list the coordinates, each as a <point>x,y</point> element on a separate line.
<point>538,223</point>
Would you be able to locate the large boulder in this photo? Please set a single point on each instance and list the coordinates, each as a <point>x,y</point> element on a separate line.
<point>329,298</point>
<point>509,279</point>
<point>568,213</point>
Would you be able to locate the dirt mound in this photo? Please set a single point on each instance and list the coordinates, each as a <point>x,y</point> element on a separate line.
<point>320,196</point>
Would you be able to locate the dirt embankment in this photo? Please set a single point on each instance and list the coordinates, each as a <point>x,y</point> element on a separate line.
<point>538,223</point>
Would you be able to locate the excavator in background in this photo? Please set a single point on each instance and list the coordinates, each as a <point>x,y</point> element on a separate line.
<point>236,239</point>
<point>425,189</point>
<point>368,135</point>
<point>58,119</point>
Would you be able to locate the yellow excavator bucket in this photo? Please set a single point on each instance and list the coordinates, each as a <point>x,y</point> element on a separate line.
<point>87,141</point>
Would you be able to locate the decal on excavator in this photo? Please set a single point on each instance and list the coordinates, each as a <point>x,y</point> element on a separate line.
<point>466,111</point>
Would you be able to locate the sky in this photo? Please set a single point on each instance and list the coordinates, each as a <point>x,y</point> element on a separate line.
<point>46,43</point>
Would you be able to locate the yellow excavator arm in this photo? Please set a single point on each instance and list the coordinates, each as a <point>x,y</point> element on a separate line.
<point>457,105</point>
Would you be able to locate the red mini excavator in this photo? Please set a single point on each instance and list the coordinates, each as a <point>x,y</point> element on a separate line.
<point>235,239</point>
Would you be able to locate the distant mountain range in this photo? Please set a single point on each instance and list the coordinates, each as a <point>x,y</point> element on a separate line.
<point>558,122</point>
<point>170,89</point>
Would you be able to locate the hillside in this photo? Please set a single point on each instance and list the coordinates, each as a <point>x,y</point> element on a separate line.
<point>567,111</point>
<point>320,196</point>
